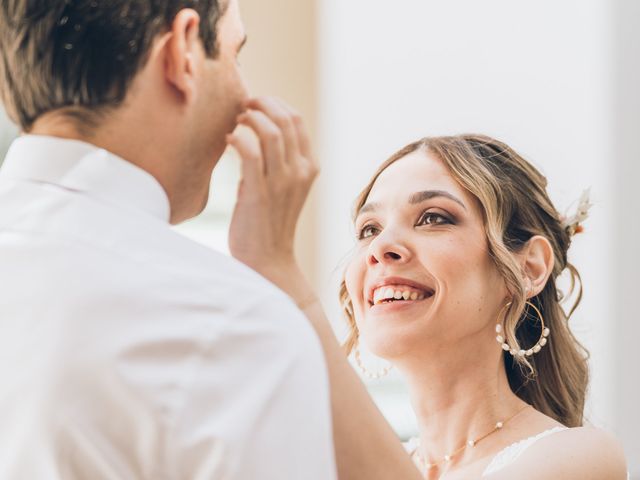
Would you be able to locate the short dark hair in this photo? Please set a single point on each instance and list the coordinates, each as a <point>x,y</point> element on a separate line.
<point>82,55</point>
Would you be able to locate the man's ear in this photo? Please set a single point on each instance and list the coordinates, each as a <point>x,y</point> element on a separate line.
<point>183,53</point>
<point>537,261</point>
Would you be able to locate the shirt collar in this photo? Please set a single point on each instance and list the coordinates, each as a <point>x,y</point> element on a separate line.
<point>83,167</point>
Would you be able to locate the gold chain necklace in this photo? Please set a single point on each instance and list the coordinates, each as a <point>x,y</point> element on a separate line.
<point>470,443</point>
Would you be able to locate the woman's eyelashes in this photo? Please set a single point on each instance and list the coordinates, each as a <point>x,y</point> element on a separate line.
<point>427,218</point>
<point>434,218</point>
<point>366,231</point>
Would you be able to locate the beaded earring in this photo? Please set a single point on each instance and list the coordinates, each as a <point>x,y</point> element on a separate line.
<point>367,373</point>
<point>542,341</point>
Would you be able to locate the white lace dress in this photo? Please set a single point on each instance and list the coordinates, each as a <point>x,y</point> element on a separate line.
<point>505,456</point>
<point>511,453</point>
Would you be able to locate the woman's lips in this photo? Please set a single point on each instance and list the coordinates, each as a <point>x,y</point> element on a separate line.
<point>397,292</point>
<point>397,289</point>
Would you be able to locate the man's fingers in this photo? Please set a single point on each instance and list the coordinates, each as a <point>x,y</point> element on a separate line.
<point>279,115</point>
<point>270,137</point>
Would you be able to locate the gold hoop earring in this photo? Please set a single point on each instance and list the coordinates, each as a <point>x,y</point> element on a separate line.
<point>363,369</point>
<point>542,341</point>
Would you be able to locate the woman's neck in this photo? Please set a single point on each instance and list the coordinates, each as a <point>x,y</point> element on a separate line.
<point>458,398</point>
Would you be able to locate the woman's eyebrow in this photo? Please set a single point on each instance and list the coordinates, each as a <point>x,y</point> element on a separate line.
<point>368,207</point>
<point>420,197</point>
<point>417,197</point>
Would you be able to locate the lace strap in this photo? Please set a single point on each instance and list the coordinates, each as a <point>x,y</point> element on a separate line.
<point>509,454</point>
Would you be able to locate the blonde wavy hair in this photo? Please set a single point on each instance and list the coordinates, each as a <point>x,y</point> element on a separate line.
<point>515,207</point>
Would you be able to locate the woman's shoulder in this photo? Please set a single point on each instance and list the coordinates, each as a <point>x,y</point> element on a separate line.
<point>570,453</point>
<point>586,440</point>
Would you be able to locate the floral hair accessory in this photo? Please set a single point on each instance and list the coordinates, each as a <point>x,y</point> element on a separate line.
<point>573,223</point>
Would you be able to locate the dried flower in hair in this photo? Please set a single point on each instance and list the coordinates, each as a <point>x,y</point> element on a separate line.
<point>573,223</point>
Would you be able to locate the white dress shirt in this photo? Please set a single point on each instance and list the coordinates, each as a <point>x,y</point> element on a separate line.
<point>128,351</point>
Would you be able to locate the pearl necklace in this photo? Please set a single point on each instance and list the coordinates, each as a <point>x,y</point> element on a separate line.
<point>470,443</point>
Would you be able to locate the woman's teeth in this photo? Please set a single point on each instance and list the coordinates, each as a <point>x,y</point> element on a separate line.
<point>384,294</point>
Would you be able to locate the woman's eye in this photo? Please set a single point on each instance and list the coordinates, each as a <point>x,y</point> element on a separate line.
<point>366,232</point>
<point>432,218</point>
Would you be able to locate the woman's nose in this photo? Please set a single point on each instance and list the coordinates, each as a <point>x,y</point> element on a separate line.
<point>386,250</point>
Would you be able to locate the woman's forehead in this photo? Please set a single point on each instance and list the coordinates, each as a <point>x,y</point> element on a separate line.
<point>417,171</point>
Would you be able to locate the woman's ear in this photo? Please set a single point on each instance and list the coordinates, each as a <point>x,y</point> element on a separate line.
<point>537,261</point>
<point>183,51</point>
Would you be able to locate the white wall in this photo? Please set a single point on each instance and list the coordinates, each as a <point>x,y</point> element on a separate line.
<point>624,161</point>
<point>8,132</point>
<point>538,75</point>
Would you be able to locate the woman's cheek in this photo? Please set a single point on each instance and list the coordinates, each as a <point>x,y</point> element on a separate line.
<point>353,283</point>
<point>444,258</point>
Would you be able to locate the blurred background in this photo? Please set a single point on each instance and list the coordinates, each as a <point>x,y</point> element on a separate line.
<point>558,81</point>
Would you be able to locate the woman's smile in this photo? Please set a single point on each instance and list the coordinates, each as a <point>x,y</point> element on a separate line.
<point>385,307</point>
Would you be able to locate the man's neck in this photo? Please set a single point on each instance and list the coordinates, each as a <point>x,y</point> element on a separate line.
<point>114,136</point>
<point>120,138</point>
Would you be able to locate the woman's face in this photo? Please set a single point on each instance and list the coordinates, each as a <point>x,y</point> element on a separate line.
<point>421,240</point>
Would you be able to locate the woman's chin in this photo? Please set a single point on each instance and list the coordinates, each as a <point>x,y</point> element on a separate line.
<point>393,335</point>
<point>389,347</point>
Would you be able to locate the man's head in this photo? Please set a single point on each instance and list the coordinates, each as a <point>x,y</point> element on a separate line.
<point>140,74</point>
